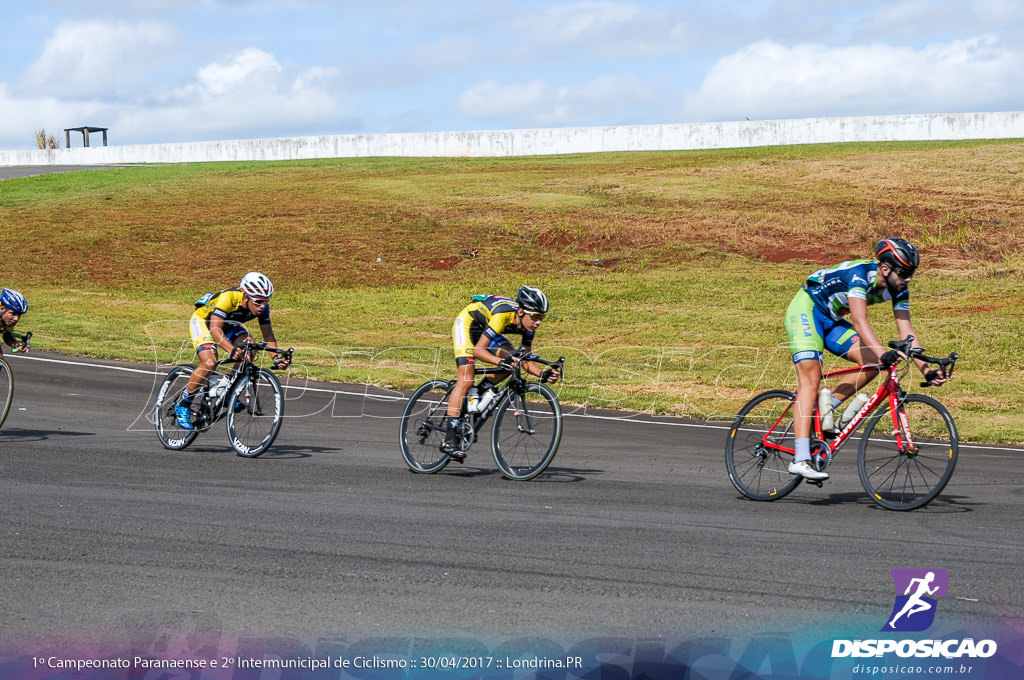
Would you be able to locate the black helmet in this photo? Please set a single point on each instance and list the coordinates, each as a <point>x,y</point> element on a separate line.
<point>532,299</point>
<point>898,253</point>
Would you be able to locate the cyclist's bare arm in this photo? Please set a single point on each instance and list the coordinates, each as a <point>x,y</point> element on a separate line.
<point>482,353</point>
<point>868,339</point>
<point>267,330</point>
<point>906,330</point>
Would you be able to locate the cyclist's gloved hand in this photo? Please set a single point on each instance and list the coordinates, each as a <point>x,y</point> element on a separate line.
<point>935,377</point>
<point>281,362</point>
<point>507,365</point>
<point>549,375</point>
<point>891,357</point>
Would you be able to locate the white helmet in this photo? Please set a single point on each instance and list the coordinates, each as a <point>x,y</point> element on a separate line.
<point>257,286</point>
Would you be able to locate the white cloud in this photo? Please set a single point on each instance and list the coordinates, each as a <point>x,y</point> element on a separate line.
<point>537,103</point>
<point>768,80</point>
<point>608,29</point>
<point>95,60</point>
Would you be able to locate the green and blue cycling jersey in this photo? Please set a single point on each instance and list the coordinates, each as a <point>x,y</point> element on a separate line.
<point>815,318</point>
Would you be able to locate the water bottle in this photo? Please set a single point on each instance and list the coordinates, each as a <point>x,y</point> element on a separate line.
<point>218,387</point>
<point>487,398</point>
<point>853,409</point>
<point>473,400</point>
<point>825,409</point>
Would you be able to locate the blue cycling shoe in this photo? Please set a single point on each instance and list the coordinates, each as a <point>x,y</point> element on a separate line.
<point>184,417</point>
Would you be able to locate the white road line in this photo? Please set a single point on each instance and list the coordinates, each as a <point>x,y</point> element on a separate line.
<point>390,397</point>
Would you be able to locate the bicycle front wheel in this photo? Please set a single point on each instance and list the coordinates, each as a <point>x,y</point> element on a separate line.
<point>757,467</point>
<point>255,409</point>
<point>171,435</point>
<point>527,431</point>
<point>6,390</point>
<point>906,466</point>
<point>423,427</point>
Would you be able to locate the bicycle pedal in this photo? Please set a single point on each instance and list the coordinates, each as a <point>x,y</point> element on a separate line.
<point>815,482</point>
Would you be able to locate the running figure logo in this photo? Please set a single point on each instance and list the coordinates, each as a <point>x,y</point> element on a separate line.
<point>916,590</point>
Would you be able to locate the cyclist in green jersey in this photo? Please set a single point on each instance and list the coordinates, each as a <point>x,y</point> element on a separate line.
<point>815,321</point>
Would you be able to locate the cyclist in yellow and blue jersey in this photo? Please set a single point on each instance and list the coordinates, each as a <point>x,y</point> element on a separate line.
<point>13,306</point>
<point>815,321</point>
<point>479,334</point>
<point>218,323</point>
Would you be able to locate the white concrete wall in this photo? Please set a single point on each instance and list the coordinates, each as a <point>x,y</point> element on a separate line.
<point>537,142</point>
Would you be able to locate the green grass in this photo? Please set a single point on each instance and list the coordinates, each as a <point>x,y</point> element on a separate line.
<point>669,272</point>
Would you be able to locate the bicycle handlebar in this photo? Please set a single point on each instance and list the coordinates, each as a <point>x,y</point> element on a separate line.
<point>25,338</point>
<point>259,347</point>
<point>947,364</point>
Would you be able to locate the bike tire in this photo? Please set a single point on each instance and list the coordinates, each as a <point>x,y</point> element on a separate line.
<point>254,413</point>
<point>527,443</point>
<point>422,428</point>
<point>6,389</point>
<point>171,435</point>
<point>758,472</point>
<point>905,480</point>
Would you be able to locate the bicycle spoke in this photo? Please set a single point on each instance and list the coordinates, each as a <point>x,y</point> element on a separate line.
<point>423,427</point>
<point>527,431</point>
<point>255,409</point>
<point>906,467</point>
<point>757,467</point>
<point>171,434</point>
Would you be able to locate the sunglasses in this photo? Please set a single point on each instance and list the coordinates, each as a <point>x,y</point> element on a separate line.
<point>536,316</point>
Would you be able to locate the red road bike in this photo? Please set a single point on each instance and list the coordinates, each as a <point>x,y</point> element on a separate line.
<point>907,453</point>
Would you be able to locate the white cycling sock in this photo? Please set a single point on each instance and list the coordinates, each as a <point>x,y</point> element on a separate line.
<point>803,449</point>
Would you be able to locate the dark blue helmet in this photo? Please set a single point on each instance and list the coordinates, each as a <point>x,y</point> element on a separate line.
<point>13,300</point>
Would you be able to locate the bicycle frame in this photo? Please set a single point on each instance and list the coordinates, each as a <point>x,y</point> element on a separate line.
<point>889,390</point>
<point>245,367</point>
<point>515,383</point>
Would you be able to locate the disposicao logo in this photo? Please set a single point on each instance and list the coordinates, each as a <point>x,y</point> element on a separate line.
<point>916,593</point>
<point>914,611</point>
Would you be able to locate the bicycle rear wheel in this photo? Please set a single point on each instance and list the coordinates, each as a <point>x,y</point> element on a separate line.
<point>901,478</point>
<point>527,431</point>
<point>423,427</point>
<point>171,435</point>
<point>6,390</point>
<point>757,469</point>
<point>255,409</point>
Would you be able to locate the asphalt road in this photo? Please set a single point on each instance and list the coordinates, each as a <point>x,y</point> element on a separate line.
<point>634,531</point>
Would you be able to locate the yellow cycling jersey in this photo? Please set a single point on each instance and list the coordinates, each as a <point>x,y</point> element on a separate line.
<point>493,316</point>
<point>230,306</point>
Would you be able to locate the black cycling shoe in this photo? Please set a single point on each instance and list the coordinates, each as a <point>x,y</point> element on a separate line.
<point>453,452</point>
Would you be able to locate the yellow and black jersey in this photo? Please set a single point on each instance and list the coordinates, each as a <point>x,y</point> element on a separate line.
<point>493,316</point>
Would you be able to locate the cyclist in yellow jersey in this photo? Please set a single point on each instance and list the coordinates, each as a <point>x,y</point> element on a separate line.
<point>479,333</point>
<point>218,323</point>
<point>12,306</point>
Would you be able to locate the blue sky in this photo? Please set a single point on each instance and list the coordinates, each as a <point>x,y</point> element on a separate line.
<point>187,70</point>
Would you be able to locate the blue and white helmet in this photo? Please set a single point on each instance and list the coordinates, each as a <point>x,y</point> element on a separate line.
<point>13,300</point>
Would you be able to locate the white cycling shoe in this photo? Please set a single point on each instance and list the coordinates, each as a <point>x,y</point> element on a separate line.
<point>806,470</point>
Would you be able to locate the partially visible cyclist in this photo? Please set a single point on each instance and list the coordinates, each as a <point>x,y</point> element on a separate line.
<point>815,320</point>
<point>219,324</point>
<point>479,334</point>
<point>13,306</point>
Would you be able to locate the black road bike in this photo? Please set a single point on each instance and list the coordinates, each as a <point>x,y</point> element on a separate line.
<point>524,437</point>
<point>248,397</point>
